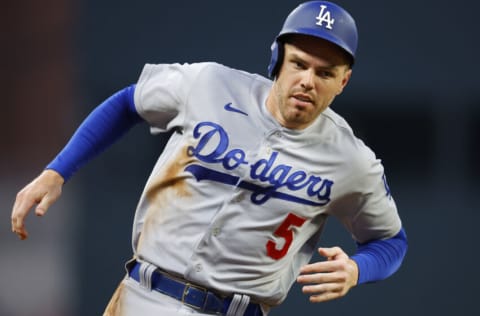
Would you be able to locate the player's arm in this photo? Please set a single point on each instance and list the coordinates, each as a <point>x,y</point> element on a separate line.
<point>373,261</point>
<point>106,124</point>
<point>376,224</point>
<point>379,259</point>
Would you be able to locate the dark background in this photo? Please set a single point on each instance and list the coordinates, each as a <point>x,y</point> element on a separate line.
<point>413,98</point>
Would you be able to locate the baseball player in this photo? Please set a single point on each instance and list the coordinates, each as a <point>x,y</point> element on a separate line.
<point>234,207</point>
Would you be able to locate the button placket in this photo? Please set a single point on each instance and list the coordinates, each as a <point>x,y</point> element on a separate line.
<point>216,231</point>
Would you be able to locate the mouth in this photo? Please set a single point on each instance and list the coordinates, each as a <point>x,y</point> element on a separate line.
<point>303,99</point>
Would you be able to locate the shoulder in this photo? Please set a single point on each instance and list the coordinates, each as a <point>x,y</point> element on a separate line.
<point>201,71</point>
<point>337,121</point>
<point>355,151</point>
<point>224,80</point>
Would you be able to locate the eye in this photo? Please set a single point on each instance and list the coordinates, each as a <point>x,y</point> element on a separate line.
<point>325,74</point>
<point>298,64</point>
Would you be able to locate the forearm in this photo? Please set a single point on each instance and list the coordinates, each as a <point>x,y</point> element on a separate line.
<point>378,259</point>
<point>105,124</point>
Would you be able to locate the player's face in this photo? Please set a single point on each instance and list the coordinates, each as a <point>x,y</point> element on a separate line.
<point>313,73</point>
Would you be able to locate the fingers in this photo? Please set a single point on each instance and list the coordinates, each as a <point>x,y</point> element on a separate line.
<point>22,206</point>
<point>325,286</point>
<point>330,279</point>
<point>44,205</point>
<point>44,191</point>
<point>335,257</point>
<point>323,272</point>
<point>323,292</point>
<point>332,253</point>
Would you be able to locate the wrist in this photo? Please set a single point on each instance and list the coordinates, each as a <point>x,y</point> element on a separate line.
<point>54,176</point>
<point>355,271</point>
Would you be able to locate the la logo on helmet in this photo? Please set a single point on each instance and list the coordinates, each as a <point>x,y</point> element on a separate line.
<point>324,16</point>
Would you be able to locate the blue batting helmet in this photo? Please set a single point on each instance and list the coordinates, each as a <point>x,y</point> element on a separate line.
<point>320,19</point>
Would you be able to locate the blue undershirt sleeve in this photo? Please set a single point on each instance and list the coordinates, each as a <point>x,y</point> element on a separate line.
<point>103,126</point>
<point>378,259</point>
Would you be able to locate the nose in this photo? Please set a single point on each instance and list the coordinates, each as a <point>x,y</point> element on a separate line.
<point>307,79</point>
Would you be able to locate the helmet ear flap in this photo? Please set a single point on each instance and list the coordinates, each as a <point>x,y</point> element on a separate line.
<point>276,59</point>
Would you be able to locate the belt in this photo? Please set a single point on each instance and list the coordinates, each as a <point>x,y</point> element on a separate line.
<point>194,296</point>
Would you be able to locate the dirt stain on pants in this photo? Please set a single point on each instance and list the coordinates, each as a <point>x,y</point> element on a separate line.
<point>113,308</point>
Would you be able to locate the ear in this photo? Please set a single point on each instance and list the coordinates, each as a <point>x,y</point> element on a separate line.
<point>345,79</point>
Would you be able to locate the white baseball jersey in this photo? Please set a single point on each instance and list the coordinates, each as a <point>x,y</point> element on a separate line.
<point>236,202</point>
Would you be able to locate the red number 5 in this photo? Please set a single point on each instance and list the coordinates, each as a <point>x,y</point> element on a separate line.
<point>286,233</point>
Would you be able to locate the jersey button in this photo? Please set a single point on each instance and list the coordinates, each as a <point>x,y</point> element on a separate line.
<point>237,199</point>
<point>216,231</point>
<point>198,267</point>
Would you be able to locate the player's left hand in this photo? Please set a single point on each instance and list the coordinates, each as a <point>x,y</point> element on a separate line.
<point>330,279</point>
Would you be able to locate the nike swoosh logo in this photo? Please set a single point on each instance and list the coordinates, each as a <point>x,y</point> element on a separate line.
<point>230,108</point>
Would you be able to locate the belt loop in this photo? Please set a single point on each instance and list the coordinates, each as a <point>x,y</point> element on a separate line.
<point>232,309</point>
<point>145,273</point>
<point>238,305</point>
<point>242,306</point>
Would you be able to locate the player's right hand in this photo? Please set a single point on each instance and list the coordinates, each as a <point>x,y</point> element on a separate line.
<point>43,191</point>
